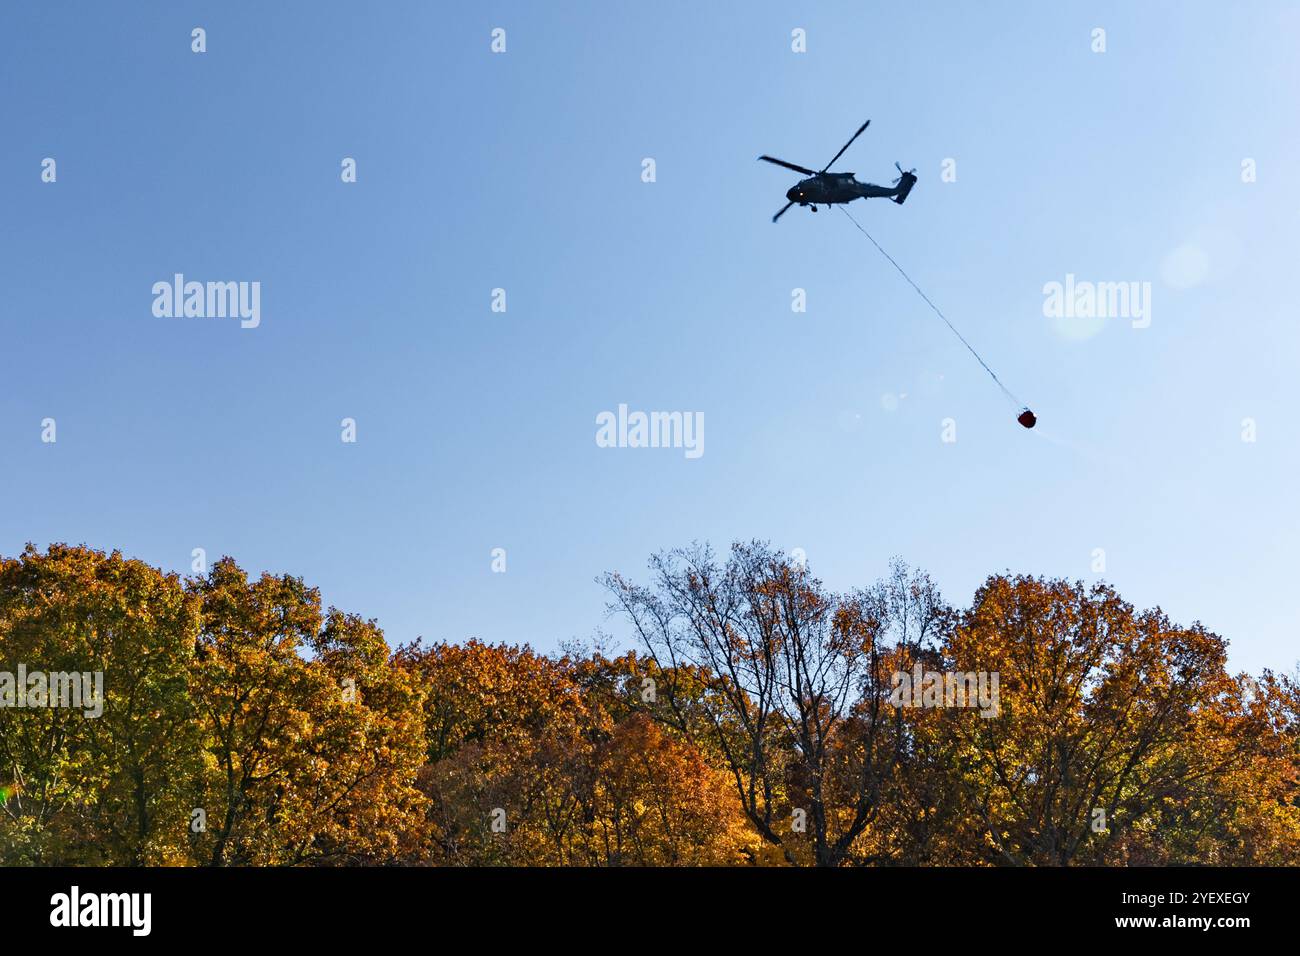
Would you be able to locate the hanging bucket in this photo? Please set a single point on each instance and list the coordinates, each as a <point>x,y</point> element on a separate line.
<point>1027,418</point>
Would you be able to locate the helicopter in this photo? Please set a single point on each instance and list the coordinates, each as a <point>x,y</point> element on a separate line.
<point>827,188</point>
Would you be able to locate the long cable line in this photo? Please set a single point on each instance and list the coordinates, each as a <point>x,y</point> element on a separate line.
<point>1005,391</point>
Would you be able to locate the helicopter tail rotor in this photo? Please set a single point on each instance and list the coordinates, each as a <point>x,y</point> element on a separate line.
<point>905,181</point>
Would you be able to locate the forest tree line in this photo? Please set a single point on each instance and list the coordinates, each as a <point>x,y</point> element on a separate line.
<point>755,721</point>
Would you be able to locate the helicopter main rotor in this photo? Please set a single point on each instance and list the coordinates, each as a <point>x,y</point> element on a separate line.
<point>781,162</point>
<point>846,145</point>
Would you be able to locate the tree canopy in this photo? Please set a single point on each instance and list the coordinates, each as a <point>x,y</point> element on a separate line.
<point>756,718</point>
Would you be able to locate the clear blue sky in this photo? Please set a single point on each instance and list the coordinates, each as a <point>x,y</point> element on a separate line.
<point>523,171</point>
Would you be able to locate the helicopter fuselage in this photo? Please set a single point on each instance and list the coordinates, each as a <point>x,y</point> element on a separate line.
<point>829,188</point>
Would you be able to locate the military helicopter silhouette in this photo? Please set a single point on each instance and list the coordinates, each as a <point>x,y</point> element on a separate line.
<point>827,188</point>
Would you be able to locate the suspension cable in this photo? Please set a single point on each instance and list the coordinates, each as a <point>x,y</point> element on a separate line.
<point>1005,391</point>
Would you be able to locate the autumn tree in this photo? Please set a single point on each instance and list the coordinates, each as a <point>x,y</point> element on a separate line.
<point>106,788</point>
<point>658,798</point>
<point>311,740</point>
<point>657,802</point>
<point>796,694</point>
<point>1247,812</point>
<point>505,756</point>
<point>1109,719</point>
<point>535,760</point>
